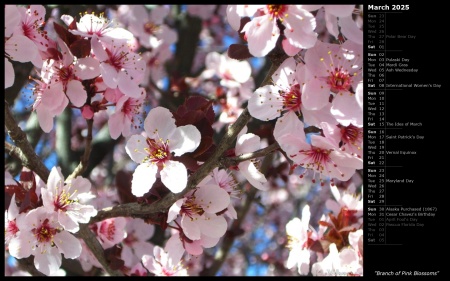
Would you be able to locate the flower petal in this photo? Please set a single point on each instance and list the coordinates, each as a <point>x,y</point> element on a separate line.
<point>159,123</point>
<point>135,148</point>
<point>87,68</point>
<point>174,176</point>
<point>76,93</point>
<point>143,179</point>
<point>48,262</point>
<point>265,104</point>
<point>251,173</point>
<point>68,244</point>
<point>185,139</point>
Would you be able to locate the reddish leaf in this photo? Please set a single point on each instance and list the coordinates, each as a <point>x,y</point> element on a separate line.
<point>189,112</point>
<point>28,182</point>
<point>239,52</point>
<point>62,32</point>
<point>112,255</point>
<point>16,189</point>
<point>324,223</point>
<point>123,184</point>
<point>80,48</point>
<point>188,161</point>
<point>317,247</point>
<point>200,103</point>
<point>54,54</point>
<point>27,204</point>
<point>205,143</point>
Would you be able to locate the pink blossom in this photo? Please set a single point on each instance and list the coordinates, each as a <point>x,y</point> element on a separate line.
<point>351,30</point>
<point>137,270</point>
<point>321,156</point>
<point>63,198</point>
<point>226,181</point>
<point>350,137</point>
<point>348,202</point>
<point>161,264</point>
<point>135,244</point>
<point>87,259</point>
<point>356,240</point>
<point>332,68</point>
<point>91,25</point>
<point>32,22</point>
<point>232,73</point>
<point>262,32</point>
<point>179,242</point>
<point>126,115</point>
<point>154,152</point>
<point>300,237</point>
<point>198,210</point>
<point>149,27</point>
<point>348,108</point>
<point>42,236</point>
<point>12,220</point>
<point>50,102</point>
<point>119,66</point>
<point>286,95</point>
<point>332,13</point>
<point>17,46</point>
<point>110,231</point>
<point>155,65</point>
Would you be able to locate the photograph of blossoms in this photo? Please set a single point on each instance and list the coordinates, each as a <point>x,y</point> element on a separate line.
<point>183,140</point>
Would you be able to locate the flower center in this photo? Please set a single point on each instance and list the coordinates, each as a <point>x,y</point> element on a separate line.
<point>12,227</point>
<point>292,98</point>
<point>45,232</point>
<point>117,60</point>
<point>351,135</point>
<point>65,74</point>
<point>158,151</point>
<point>339,80</point>
<point>151,28</point>
<point>62,201</point>
<point>277,11</point>
<point>317,157</point>
<point>131,106</point>
<point>190,208</point>
<point>108,229</point>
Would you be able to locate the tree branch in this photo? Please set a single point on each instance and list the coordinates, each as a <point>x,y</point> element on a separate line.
<point>82,166</point>
<point>31,160</point>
